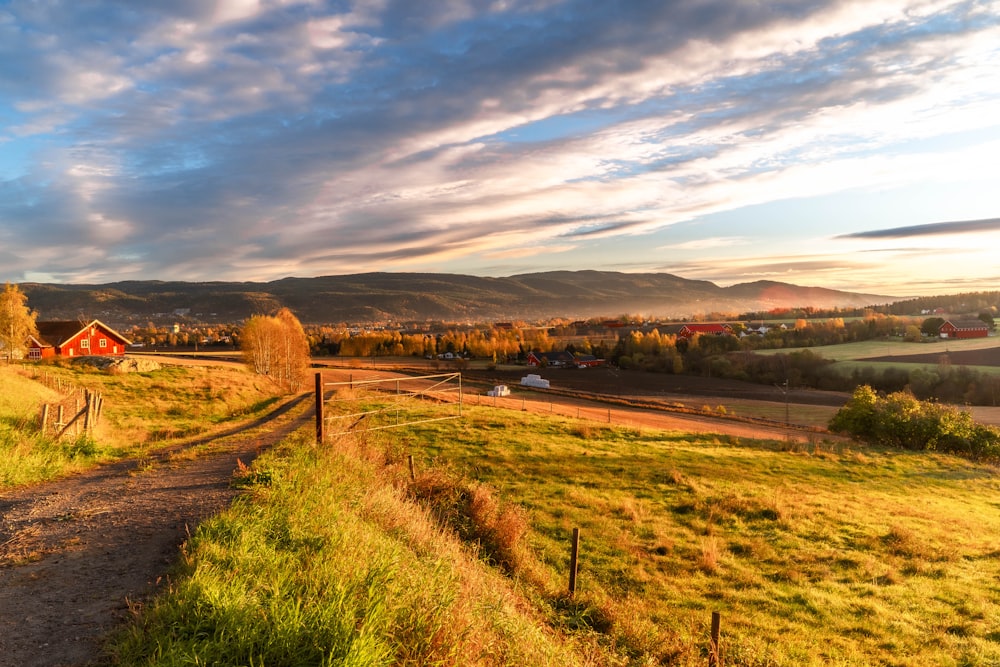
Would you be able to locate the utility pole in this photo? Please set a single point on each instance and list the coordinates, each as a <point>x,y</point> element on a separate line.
<point>784,390</point>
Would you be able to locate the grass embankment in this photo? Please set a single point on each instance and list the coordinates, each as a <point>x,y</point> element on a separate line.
<point>828,556</point>
<point>141,412</point>
<point>329,561</point>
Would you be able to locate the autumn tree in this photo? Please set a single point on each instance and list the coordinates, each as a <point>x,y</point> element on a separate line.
<point>17,322</point>
<point>276,347</point>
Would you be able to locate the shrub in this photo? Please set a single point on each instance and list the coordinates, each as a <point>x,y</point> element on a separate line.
<point>900,420</point>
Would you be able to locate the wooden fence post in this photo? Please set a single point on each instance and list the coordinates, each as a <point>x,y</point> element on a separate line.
<point>88,411</point>
<point>714,656</point>
<point>45,417</point>
<point>413,476</point>
<point>320,420</point>
<point>573,557</point>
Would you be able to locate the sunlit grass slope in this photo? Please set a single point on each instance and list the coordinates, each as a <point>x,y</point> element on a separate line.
<point>141,411</point>
<point>330,562</point>
<point>826,556</point>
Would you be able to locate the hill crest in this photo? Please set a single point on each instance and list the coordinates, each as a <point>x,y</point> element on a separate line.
<point>401,297</point>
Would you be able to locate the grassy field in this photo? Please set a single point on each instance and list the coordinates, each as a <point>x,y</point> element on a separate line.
<point>835,556</point>
<point>897,348</point>
<point>826,555</point>
<point>142,411</point>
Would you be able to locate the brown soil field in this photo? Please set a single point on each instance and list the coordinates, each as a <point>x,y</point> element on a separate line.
<point>682,388</point>
<point>989,356</point>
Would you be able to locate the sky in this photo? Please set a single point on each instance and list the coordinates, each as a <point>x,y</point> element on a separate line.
<point>849,144</point>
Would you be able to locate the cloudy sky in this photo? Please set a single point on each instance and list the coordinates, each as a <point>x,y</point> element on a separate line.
<point>852,144</point>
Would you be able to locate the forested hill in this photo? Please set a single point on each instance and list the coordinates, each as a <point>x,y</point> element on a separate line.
<point>381,297</point>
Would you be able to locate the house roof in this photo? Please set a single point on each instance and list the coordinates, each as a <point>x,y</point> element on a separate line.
<point>966,324</point>
<point>554,356</point>
<point>711,328</point>
<point>52,334</point>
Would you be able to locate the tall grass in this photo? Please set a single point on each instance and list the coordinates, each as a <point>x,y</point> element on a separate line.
<point>832,555</point>
<point>25,454</point>
<point>334,563</point>
<point>142,411</point>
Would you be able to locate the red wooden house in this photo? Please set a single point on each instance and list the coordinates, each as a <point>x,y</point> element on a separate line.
<point>964,329</point>
<point>72,339</point>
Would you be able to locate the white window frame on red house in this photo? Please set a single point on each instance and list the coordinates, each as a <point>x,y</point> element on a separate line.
<point>103,343</point>
<point>84,344</point>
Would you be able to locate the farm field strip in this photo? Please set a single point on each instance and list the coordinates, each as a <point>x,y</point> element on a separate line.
<point>875,349</point>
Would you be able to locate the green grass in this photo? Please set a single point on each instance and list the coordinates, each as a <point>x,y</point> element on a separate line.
<point>831,556</point>
<point>142,411</point>
<point>332,563</point>
<point>848,367</point>
<point>25,454</point>
<point>896,348</point>
<point>814,555</point>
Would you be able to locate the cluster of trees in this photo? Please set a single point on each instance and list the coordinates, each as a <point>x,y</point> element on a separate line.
<point>901,420</point>
<point>17,322</point>
<point>151,335</point>
<point>499,344</point>
<point>276,347</point>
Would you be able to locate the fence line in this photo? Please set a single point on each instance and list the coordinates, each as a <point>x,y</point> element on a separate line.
<point>89,416</point>
<point>402,393</point>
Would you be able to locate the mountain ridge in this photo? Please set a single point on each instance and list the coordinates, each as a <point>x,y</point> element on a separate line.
<point>399,297</point>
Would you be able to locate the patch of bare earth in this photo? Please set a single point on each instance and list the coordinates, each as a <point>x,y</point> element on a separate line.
<point>78,553</point>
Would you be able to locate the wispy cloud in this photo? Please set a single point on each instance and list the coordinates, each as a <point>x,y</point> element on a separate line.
<point>254,139</point>
<point>932,229</point>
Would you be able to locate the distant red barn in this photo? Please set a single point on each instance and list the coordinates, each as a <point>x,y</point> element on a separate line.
<point>71,339</point>
<point>550,359</point>
<point>964,329</point>
<point>689,330</point>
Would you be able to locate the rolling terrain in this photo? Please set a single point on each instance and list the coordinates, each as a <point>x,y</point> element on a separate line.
<point>401,297</point>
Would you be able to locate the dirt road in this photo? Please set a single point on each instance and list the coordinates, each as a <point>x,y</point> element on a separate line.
<point>76,553</point>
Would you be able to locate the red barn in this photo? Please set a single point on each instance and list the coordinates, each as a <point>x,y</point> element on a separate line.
<point>964,329</point>
<point>71,339</point>
<point>550,359</point>
<point>689,330</point>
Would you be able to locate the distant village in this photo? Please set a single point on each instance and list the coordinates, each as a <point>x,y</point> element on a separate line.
<point>555,344</point>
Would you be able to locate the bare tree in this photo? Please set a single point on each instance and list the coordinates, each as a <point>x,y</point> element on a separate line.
<point>17,322</point>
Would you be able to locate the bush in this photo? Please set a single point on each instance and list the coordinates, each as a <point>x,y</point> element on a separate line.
<point>900,420</point>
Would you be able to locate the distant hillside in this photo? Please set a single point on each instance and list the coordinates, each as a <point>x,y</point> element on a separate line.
<point>381,297</point>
